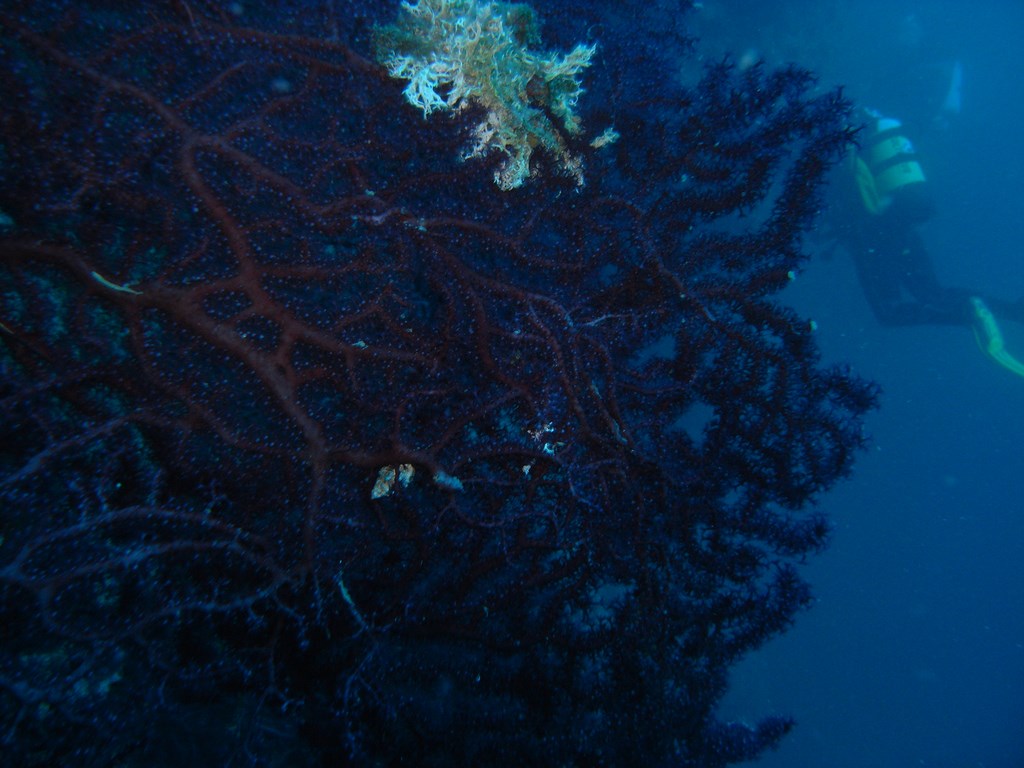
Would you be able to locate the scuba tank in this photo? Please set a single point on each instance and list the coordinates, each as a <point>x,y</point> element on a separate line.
<point>888,173</point>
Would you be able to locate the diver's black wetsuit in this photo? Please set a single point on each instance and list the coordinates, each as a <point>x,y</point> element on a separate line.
<point>899,281</point>
<point>898,278</point>
<point>895,269</point>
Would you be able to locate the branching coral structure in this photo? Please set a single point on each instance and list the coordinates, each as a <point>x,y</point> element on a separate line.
<point>318,448</point>
<point>460,53</point>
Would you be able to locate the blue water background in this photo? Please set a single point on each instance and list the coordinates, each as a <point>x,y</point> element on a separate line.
<point>914,652</point>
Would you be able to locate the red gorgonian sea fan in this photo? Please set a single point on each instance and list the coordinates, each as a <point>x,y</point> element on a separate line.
<point>318,446</point>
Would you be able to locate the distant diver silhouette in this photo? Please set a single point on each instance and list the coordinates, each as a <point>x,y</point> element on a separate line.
<point>895,270</point>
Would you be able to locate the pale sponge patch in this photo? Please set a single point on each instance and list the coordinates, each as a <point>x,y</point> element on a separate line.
<point>456,53</point>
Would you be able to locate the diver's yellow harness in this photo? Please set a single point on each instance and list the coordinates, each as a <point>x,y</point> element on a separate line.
<point>885,164</point>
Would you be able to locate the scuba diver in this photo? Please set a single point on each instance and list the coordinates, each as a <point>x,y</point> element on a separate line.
<point>894,268</point>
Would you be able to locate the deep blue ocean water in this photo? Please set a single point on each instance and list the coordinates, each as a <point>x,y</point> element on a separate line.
<point>914,652</point>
